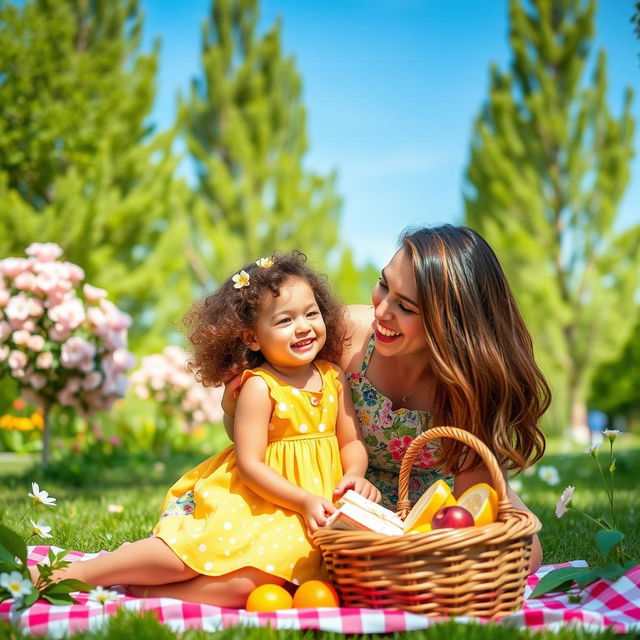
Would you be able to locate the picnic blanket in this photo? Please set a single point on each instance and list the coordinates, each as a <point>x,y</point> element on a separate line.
<point>605,604</point>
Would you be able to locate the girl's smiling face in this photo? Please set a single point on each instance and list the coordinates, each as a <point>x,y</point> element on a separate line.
<point>290,331</point>
<point>398,326</point>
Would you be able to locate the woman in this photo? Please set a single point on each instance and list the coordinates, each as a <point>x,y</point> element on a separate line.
<point>443,344</point>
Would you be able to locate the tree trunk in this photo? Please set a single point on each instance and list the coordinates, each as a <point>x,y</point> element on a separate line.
<point>579,427</point>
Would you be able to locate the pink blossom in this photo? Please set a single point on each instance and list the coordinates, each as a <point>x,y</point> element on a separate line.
<point>4,297</point>
<point>21,337</point>
<point>75,273</point>
<point>70,314</point>
<point>4,352</point>
<point>44,251</point>
<point>92,380</point>
<point>35,343</point>
<point>58,333</point>
<point>11,267</point>
<point>37,381</point>
<point>5,331</point>
<point>74,385</point>
<point>25,281</point>
<point>44,360</point>
<point>93,294</point>
<point>77,353</point>
<point>35,307</point>
<point>65,398</point>
<point>18,307</point>
<point>17,359</point>
<point>116,319</point>
<point>123,360</point>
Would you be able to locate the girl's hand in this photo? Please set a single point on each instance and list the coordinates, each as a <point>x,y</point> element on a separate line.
<point>315,510</point>
<point>359,485</point>
<point>229,399</point>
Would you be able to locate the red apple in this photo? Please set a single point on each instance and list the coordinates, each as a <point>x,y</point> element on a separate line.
<point>452,518</point>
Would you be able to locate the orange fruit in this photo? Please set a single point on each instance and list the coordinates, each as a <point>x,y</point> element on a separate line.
<point>437,496</point>
<point>481,501</point>
<point>269,597</point>
<point>315,593</point>
<point>422,528</point>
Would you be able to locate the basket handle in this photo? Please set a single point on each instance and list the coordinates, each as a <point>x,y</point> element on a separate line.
<point>497,477</point>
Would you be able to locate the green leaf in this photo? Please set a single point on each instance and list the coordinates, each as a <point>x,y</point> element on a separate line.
<point>58,598</point>
<point>67,586</point>
<point>13,543</point>
<point>558,580</point>
<point>34,596</point>
<point>607,539</point>
<point>611,571</point>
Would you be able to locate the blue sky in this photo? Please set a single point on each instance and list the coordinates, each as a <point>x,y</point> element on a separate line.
<point>391,89</point>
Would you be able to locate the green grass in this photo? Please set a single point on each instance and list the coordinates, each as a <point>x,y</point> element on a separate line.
<point>81,521</point>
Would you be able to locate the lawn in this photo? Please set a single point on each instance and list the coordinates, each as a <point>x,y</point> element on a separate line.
<point>83,521</point>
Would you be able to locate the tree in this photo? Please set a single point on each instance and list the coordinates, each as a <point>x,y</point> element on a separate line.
<point>79,164</point>
<point>616,384</point>
<point>245,127</point>
<point>549,164</point>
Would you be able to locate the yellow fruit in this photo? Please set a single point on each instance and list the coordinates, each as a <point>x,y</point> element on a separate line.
<point>423,528</point>
<point>269,597</point>
<point>481,501</point>
<point>437,496</point>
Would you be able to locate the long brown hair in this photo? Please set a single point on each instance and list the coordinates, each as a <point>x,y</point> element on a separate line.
<point>215,324</point>
<point>480,351</point>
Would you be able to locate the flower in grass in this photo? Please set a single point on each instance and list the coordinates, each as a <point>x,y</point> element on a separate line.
<point>549,474</point>
<point>612,434</point>
<point>240,280</point>
<point>565,499</point>
<point>102,596</point>
<point>40,529</point>
<point>115,508</point>
<point>16,584</point>
<point>593,449</point>
<point>41,497</point>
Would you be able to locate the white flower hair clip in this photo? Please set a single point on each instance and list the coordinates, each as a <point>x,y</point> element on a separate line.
<point>240,280</point>
<point>265,263</point>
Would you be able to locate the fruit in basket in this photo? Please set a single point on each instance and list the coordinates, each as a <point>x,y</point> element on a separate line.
<point>269,597</point>
<point>438,495</point>
<point>454,517</point>
<point>481,500</point>
<point>315,593</point>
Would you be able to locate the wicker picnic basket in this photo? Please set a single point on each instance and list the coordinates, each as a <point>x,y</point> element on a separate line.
<point>474,571</point>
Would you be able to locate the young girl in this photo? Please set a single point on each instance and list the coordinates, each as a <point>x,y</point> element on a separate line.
<point>243,517</point>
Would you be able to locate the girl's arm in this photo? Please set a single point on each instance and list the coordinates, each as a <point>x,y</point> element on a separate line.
<point>253,414</point>
<point>467,479</point>
<point>353,452</point>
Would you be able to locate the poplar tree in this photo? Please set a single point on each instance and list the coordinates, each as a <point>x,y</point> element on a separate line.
<point>548,167</point>
<point>79,163</point>
<point>245,128</point>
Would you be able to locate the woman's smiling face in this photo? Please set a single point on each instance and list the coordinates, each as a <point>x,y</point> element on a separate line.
<point>398,326</point>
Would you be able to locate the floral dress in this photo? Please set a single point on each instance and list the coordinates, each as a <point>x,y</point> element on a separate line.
<point>388,434</point>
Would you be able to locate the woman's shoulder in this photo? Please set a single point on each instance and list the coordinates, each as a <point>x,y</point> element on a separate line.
<point>359,318</point>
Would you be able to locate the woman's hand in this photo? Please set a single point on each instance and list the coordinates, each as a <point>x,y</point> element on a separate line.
<point>358,484</point>
<point>315,510</point>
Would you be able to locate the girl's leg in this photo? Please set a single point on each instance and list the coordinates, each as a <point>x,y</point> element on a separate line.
<point>149,561</point>
<point>229,590</point>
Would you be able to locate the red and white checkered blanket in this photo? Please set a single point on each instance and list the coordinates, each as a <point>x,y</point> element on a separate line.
<point>604,604</point>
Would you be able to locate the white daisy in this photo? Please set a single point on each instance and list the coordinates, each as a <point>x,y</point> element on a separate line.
<point>16,584</point>
<point>102,596</point>
<point>42,497</point>
<point>565,499</point>
<point>549,474</point>
<point>40,529</point>
<point>240,280</point>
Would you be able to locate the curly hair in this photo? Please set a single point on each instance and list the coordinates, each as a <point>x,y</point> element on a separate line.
<point>214,325</point>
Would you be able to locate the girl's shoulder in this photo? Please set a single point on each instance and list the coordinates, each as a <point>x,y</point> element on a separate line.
<point>359,318</point>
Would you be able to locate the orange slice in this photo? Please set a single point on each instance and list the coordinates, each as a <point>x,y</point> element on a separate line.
<point>437,496</point>
<point>481,501</point>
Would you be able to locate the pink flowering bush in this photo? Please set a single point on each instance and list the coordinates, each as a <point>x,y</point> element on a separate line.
<point>62,341</point>
<point>165,379</point>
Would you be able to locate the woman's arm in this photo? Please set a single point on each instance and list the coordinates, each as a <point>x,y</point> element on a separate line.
<point>353,452</point>
<point>467,479</point>
<point>253,413</point>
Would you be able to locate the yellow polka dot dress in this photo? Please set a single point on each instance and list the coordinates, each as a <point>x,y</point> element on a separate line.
<point>227,526</point>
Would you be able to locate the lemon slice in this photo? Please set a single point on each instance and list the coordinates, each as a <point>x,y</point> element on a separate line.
<point>438,495</point>
<point>481,501</point>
